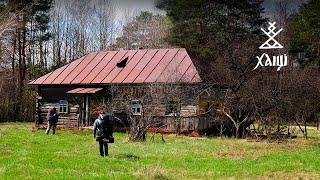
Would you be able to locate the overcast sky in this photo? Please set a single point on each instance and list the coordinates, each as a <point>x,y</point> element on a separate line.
<point>130,8</point>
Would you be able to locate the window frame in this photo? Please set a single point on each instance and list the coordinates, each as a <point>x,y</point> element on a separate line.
<point>63,107</point>
<point>136,107</point>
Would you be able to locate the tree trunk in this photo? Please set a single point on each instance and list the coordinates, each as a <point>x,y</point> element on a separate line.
<point>237,132</point>
<point>305,129</point>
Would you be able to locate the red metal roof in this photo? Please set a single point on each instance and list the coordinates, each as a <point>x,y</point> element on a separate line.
<point>143,66</point>
<point>84,91</point>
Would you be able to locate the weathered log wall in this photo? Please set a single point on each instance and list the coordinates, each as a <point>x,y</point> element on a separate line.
<point>66,119</point>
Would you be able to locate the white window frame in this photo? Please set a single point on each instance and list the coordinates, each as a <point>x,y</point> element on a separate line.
<point>63,107</point>
<point>136,108</point>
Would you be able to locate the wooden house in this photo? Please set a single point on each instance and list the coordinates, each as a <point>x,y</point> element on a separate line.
<point>158,83</point>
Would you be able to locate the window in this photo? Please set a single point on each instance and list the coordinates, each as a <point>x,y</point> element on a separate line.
<point>63,106</point>
<point>136,107</point>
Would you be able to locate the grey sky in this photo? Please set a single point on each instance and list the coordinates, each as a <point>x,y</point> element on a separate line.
<point>127,9</point>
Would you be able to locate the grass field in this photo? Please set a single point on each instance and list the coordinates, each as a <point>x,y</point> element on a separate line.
<point>25,154</point>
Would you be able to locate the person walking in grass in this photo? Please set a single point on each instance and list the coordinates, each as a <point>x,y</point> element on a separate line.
<point>102,131</point>
<point>52,118</point>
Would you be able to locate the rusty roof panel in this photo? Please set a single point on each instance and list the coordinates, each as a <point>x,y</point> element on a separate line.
<point>161,66</point>
<point>171,70</point>
<point>129,67</point>
<point>196,78</point>
<point>67,71</point>
<point>41,79</point>
<point>89,67</point>
<point>140,66</point>
<point>143,66</point>
<point>181,69</point>
<point>84,91</point>
<point>151,65</point>
<point>73,91</point>
<point>189,74</point>
<point>95,90</point>
<point>106,70</point>
<point>103,63</point>
<point>55,74</point>
<point>81,66</point>
<point>116,70</point>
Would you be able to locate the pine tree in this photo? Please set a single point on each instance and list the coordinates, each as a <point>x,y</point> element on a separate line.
<point>205,26</point>
<point>306,33</point>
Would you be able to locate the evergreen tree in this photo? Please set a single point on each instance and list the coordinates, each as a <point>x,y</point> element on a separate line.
<point>306,33</point>
<point>204,27</point>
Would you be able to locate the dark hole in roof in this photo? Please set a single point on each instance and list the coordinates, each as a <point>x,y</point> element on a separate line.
<point>122,63</point>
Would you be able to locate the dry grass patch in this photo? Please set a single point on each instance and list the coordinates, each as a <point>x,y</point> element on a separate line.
<point>236,149</point>
<point>281,175</point>
<point>152,172</point>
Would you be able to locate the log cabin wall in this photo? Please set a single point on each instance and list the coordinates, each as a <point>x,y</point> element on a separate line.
<point>69,119</point>
<point>155,105</point>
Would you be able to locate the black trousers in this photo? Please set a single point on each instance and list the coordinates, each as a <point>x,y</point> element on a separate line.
<point>51,125</point>
<point>103,147</point>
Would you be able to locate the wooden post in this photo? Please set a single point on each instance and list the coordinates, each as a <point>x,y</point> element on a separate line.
<point>87,110</point>
<point>38,108</point>
<point>305,129</point>
<point>82,119</point>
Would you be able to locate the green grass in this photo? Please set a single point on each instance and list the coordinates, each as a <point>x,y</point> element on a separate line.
<point>27,154</point>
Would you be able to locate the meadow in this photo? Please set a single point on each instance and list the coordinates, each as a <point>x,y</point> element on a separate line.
<point>73,154</point>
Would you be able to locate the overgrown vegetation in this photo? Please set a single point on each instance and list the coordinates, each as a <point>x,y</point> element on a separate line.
<point>74,154</point>
<point>224,38</point>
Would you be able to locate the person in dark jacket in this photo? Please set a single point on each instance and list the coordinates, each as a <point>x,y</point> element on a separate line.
<point>52,118</point>
<point>102,131</point>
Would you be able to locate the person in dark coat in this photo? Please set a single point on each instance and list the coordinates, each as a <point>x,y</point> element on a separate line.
<point>52,118</point>
<point>102,131</point>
